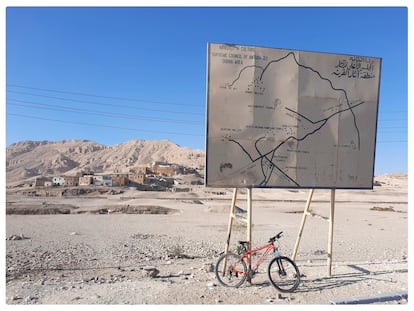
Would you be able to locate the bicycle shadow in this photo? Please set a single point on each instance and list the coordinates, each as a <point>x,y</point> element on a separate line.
<point>308,284</point>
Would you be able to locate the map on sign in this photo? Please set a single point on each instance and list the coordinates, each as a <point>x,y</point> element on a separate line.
<point>292,119</point>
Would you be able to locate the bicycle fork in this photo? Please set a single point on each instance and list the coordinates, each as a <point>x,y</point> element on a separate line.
<point>282,271</point>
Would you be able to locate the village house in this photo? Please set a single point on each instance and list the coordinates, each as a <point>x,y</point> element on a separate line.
<point>42,181</point>
<point>137,178</point>
<point>85,180</point>
<point>71,181</point>
<point>58,181</point>
<point>157,175</point>
<point>98,180</point>
<point>102,180</point>
<point>165,169</point>
<point>107,180</point>
<point>140,169</point>
<point>120,180</point>
<point>48,183</point>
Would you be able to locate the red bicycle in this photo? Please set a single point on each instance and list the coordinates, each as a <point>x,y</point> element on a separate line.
<point>232,270</point>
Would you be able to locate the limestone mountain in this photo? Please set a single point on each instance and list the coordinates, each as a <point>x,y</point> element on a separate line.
<point>28,159</point>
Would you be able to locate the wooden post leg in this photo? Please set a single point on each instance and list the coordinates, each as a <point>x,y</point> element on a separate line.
<point>249,215</point>
<point>302,224</point>
<point>331,228</point>
<point>229,227</point>
<point>249,226</point>
<point>231,217</point>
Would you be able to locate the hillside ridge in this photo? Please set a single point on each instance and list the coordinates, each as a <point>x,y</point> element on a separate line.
<point>28,159</point>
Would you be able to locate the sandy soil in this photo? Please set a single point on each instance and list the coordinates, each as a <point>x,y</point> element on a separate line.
<point>95,255</point>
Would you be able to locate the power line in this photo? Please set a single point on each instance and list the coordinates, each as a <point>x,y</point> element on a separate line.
<point>129,99</point>
<point>37,105</point>
<point>102,96</point>
<point>141,130</point>
<point>94,112</point>
<point>128,116</point>
<point>105,104</point>
<point>102,125</point>
<point>134,100</point>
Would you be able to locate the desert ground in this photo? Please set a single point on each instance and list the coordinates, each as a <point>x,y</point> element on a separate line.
<point>160,248</point>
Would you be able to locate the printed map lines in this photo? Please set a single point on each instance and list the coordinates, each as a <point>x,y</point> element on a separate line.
<point>327,118</point>
<point>292,54</point>
<point>265,156</point>
<point>243,69</point>
<point>266,159</point>
<point>286,118</point>
<point>244,150</point>
<point>272,166</point>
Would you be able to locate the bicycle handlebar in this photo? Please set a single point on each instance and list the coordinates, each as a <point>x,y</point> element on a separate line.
<point>277,236</point>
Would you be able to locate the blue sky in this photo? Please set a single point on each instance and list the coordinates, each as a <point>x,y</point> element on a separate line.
<point>120,73</point>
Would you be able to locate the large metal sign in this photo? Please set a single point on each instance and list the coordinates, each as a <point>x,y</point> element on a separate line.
<point>293,119</point>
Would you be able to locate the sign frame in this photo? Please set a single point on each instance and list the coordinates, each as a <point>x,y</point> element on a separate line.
<point>229,61</point>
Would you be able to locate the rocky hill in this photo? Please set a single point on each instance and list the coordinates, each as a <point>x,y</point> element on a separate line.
<point>28,159</point>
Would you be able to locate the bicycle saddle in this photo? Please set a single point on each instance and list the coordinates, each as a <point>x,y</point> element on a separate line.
<point>243,242</point>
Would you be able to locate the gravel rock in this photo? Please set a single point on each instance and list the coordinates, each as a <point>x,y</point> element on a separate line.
<point>15,237</point>
<point>150,271</point>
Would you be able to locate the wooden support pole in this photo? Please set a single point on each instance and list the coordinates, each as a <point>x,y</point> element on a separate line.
<point>249,227</point>
<point>229,226</point>
<point>249,215</point>
<point>331,228</point>
<point>302,224</point>
<point>231,217</point>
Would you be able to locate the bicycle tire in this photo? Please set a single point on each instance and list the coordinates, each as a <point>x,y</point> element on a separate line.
<point>230,278</point>
<point>284,274</point>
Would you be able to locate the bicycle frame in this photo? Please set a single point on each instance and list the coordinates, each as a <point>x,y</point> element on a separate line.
<point>282,271</point>
<point>268,248</point>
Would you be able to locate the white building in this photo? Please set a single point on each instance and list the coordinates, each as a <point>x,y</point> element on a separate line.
<point>58,181</point>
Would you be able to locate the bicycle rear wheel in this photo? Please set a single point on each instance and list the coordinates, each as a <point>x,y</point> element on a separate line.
<point>284,274</point>
<point>231,270</point>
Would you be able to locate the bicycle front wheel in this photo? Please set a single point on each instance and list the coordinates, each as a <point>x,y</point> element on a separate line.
<point>284,274</point>
<point>231,270</point>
